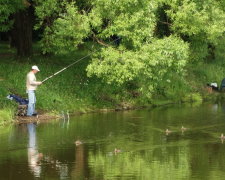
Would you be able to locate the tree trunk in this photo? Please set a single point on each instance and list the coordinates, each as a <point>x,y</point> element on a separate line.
<point>22,32</point>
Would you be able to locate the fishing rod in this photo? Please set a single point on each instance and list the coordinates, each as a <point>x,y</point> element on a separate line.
<point>65,68</point>
<point>72,64</point>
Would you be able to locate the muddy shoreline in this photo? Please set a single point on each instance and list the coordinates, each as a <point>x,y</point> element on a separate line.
<point>38,118</point>
<point>45,117</point>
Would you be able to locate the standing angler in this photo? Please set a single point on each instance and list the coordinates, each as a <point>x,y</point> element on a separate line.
<point>32,84</point>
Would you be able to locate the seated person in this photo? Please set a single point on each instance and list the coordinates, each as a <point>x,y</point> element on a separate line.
<point>212,86</point>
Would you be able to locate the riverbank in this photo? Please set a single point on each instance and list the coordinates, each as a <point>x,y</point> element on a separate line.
<point>75,92</point>
<point>44,117</point>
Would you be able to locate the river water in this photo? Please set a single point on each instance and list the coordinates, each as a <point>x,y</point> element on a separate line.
<point>119,145</point>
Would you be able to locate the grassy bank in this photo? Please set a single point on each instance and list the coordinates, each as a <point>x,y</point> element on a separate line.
<point>6,116</point>
<point>73,91</point>
<point>70,91</point>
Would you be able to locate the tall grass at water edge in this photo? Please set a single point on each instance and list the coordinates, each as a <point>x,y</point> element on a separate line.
<point>6,116</point>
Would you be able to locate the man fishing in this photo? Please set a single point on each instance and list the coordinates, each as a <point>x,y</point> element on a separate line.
<point>31,85</point>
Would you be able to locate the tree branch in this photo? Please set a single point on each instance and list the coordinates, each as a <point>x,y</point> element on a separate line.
<point>100,41</point>
<point>165,23</point>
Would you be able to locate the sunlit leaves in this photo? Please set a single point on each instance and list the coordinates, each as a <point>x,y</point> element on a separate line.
<point>150,64</point>
<point>46,9</point>
<point>116,66</point>
<point>193,17</point>
<point>67,31</point>
<point>134,21</point>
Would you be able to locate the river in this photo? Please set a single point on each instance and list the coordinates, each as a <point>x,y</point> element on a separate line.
<point>119,145</point>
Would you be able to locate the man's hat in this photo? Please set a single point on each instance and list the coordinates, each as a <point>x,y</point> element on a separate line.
<point>35,68</point>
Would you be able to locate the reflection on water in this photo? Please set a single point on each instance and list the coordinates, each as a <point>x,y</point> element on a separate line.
<point>79,166</point>
<point>37,160</point>
<point>34,156</point>
<point>121,145</point>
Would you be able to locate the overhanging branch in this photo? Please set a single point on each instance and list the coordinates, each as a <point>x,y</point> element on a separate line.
<point>100,41</point>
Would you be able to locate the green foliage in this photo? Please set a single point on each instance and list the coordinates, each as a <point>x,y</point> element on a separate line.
<point>46,11</point>
<point>66,29</point>
<point>193,17</point>
<point>8,7</point>
<point>201,21</point>
<point>140,58</point>
<point>219,51</point>
<point>71,90</point>
<point>6,116</point>
<point>172,89</point>
<point>65,26</point>
<point>115,66</point>
<point>154,63</point>
<point>198,48</point>
<point>192,97</point>
<point>134,21</point>
<point>207,73</point>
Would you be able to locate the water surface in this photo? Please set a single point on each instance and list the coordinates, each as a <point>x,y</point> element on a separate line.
<point>143,149</point>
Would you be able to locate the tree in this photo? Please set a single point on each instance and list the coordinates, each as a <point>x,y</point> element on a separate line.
<point>151,64</point>
<point>64,27</point>
<point>8,7</point>
<point>201,21</point>
<point>140,57</point>
<point>17,16</point>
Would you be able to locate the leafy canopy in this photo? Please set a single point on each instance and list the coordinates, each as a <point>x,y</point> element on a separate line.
<point>150,65</point>
<point>7,8</point>
<point>65,29</point>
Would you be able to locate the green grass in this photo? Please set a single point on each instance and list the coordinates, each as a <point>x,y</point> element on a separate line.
<point>70,90</point>
<point>6,116</point>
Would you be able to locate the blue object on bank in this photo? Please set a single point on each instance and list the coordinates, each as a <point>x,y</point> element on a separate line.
<point>18,99</point>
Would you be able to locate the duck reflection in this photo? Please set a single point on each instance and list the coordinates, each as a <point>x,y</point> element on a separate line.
<point>34,156</point>
<point>215,107</point>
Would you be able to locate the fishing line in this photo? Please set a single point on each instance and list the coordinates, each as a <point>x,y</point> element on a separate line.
<point>73,63</point>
